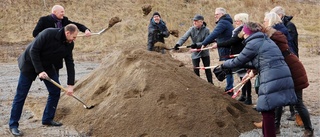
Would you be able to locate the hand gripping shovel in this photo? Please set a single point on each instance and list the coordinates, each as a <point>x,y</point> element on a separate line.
<point>65,90</point>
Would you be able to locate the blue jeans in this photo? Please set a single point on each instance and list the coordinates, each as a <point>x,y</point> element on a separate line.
<point>229,79</point>
<point>23,88</point>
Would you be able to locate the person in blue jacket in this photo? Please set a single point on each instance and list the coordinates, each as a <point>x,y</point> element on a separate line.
<point>276,84</point>
<point>222,32</point>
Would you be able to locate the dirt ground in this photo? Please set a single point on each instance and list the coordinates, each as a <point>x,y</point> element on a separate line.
<point>138,93</point>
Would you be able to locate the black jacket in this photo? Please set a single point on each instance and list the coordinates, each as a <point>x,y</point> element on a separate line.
<point>293,32</point>
<point>46,50</point>
<point>48,22</point>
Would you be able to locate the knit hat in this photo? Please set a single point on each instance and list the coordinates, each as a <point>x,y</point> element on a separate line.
<point>198,17</point>
<point>246,30</point>
<point>156,13</point>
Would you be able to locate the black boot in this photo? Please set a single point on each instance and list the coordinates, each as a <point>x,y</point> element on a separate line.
<point>248,101</point>
<point>242,98</point>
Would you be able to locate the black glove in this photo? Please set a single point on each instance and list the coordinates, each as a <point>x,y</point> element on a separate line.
<point>194,46</point>
<point>220,72</point>
<point>161,34</point>
<point>176,47</point>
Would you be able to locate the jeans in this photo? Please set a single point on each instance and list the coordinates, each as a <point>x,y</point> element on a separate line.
<point>302,110</point>
<point>24,84</point>
<point>229,79</point>
<point>206,63</point>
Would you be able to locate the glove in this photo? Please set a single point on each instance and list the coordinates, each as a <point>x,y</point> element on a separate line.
<point>219,72</point>
<point>176,47</point>
<point>162,34</point>
<point>194,46</point>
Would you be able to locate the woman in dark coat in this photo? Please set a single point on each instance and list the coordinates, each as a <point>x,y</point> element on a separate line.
<point>299,77</point>
<point>276,84</point>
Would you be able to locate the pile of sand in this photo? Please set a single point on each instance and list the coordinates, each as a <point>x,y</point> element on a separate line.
<point>141,93</point>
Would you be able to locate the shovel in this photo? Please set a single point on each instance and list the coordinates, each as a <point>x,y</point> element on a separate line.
<point>112,22</point>
<point>65,90</point>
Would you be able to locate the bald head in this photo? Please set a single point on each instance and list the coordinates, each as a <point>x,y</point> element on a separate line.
<point>58,10</point>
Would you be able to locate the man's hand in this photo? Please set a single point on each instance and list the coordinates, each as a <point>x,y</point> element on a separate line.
<point>87,33</point>
<point>43,75</point>
<point>70,90</point>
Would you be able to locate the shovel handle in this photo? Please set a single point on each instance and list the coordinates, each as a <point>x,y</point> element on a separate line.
<point>65,90</point>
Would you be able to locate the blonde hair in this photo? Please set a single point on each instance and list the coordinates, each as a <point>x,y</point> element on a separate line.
<point>221,10</point>
<point>244,17</point>
<point>279,10</point>
<point>272,18</point>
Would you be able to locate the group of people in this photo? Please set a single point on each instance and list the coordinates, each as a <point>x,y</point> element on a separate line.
<point>54,41</point>
<point>270,50</point>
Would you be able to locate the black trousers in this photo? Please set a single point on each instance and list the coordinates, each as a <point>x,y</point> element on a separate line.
<point>302,110</point>
<point>206,63</point>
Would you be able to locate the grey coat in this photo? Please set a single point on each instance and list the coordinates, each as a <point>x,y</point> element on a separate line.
<point>276,84</point>
<point>197,36</point>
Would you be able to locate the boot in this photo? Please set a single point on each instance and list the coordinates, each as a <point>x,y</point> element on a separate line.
<point>277,130</point>
<point>248,101</point>
<point>258,124</point>
<point>299,120</point>
<point>292,117</point>
<point>242,98</point>
<point>308,133</point>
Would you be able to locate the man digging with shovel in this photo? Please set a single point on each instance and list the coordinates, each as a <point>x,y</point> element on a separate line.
<point>50,46</point>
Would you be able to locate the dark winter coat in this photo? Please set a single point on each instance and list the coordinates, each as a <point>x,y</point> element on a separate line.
<point>197,36</point>
<point>156,33</point>
<point>298,72</point>
<point>234,43</point>
<point>276,85</point>
<point>221,33</point>
<point>280,27</point>
<point>293,32</point>
<point>49,22</point>
<point>47,49</point>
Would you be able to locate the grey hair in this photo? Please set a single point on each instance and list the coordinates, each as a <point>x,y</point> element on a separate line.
<point>253,26</point>
<point>272,18</point>
<point>279,10</point>
<point>221,10</point>
<point>244,17</point>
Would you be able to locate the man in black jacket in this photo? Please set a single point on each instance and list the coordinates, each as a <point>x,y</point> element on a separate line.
<point>57,20</point>
<point>50,46</point>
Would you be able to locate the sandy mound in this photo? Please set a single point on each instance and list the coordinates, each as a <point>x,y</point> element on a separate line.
<point>141,93</point>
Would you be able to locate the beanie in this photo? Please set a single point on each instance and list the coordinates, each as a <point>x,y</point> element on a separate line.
<point>156,13</point>
<point>246,30</point>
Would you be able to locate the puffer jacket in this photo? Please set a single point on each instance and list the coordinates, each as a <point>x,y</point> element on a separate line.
<point>298,72</point>
<point>156,33</point>
<point>197,36</point>
<point>276,84</point>
<point>221,33</point>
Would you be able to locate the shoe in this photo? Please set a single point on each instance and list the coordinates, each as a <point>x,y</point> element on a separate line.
<point>16,132</point>
<point>258,124</point>
<point>292,117</point>
<point>242,98</point>
<point>248,101</point>
<point>230,93</point>
<point>52,123</point>
<point>299,120</point>
<point>278,130</point>
<point>308,133</point>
